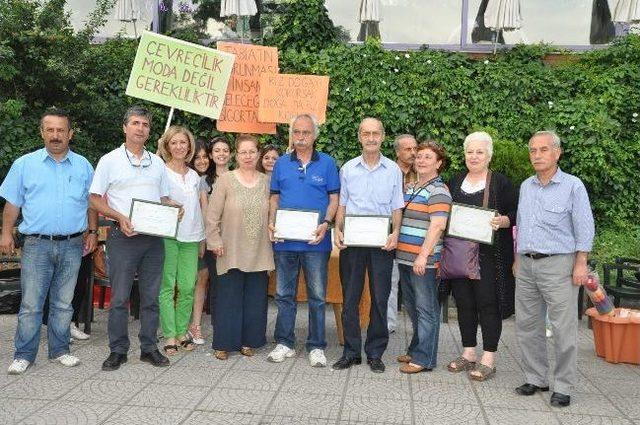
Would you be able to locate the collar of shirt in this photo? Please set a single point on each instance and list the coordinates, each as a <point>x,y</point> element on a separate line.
<point>381,163</point>
<point>558,177</point>
<point>133,157</point>
<point>314,156</point>
<point>45,154</point>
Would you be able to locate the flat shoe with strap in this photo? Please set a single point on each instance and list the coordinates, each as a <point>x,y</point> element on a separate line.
<point>484,372</point>
<point>404,358</point>
<point>413,368</point>
<point>221,355</point>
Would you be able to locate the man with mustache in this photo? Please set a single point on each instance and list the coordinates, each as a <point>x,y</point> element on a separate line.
<point>303,179</point>
<point>51,188</point>
<point>127,172</point>
<point>370,184</point>
<point>555,236</point>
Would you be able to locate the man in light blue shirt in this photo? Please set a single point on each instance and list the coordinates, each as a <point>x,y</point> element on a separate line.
<point>555,236</point>
<point>370,184</point>
<point>51,188</point>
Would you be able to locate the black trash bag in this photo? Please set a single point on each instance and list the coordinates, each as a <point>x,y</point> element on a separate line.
<point>10,292</point>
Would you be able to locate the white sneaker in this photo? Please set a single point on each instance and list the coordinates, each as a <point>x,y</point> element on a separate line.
<point>18,366</point>
<point>317,358</point>
<point>67,360</point>
<point>77,333</point>
<point>280,353</point>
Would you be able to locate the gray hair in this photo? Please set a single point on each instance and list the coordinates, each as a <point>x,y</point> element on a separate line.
<point>396,141</point>
<point>136,111</point>
<point>555,139</point>
<point>314,121</point>
<point>479,136</point>
<point>372,119</point>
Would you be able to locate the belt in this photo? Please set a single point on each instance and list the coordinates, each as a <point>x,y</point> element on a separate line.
<point>56,237</point>
<point>537,255</point>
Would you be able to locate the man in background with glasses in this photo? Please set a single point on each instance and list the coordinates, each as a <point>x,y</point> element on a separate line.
<point>370,184</point>
<point>127,172</point>
<point>304,179</point>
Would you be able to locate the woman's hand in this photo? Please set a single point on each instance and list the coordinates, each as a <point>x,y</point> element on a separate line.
<point>500,221</point>
<point>219,251</point>
<point>420,265</point>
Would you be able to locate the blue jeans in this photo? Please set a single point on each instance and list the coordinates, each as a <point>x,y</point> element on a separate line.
<point>314,267</point>
<point>420,296</point>
<point>48,267</point>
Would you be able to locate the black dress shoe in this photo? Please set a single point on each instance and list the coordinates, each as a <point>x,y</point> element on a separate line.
<point>155,358</point>
<point>114,361</point>
<point>560,400</point>
<point>346,363</point>
<point>376,365</point>
<point>530,389</point>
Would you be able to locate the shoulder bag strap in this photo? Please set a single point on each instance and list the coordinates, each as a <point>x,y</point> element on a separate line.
<point>485,199</point>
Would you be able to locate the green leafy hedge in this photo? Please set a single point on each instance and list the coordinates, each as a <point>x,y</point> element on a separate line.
<point>592,101</point>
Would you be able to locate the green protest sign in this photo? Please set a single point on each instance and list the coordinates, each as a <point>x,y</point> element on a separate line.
<point>181,75</point>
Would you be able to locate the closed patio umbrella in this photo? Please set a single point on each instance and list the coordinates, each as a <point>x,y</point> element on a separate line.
<point>627,11</point>
<point>243,9</point>
<point>502,15</point>
<point>369,18</point>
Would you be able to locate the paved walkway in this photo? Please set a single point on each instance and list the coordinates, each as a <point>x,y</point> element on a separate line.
<point>197,388</point>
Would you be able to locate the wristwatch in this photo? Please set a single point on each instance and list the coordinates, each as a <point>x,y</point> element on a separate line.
<point>329,222</point>
<point>92,232</point>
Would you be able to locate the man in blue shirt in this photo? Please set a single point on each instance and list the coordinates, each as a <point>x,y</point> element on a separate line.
<point>305,179</point>
<point>555,236</point>
<point>370,184</point>
<point>51,188</point>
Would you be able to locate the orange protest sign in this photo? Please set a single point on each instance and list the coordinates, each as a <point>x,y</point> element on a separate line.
<point>240,110</point>
<point>284,96</point>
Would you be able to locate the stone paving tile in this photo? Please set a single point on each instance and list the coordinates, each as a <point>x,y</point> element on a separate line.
<point>381,387</point>
<point>12,410</point>
<point>427,391</point>
<point>307,383</point>
<point>288,420</point>
<point>568,419</point>
<point>617,387</point>
<point>305,405</point>
<point>370,410</point>
<point>104,391</point>
<point>447,413</point>
<point>507,398</point>
<point>70,412</point>
<point>41,388</point>
<point>138,415</point>
<point>591,404</point>
<point>187,375</point>
<point>132,371</point>
<point>250,380</point>
<point>236,401</point>
<point>500,416</point>
<point>169,395</point>
<point>204,359</point>
<point>259,363</point>
<point>222,418</point>
<point>629,406</point>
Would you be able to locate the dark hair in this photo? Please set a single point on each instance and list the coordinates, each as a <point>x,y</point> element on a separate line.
<point>55,112</point>
<point>266,149</point>
<point>138,111</point>
<point>436,148</point>
<point>203,145</point>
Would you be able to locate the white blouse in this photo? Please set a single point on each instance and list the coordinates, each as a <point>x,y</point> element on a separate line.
<point>185,190</point>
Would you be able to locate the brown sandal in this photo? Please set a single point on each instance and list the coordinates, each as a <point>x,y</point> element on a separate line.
<point>170,349</point>
<point>221,355</point>
<point>485,372</point>
<point>460,364</point>
<point>187,345</point>
<point>404,358</point>
<point>246,351</point>
<point>413,368</point>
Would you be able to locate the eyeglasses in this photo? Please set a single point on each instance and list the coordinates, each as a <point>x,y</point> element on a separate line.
<point>144,161</point>
<point>303,133</point>
<point>247,153</point>
<point>370,134</point>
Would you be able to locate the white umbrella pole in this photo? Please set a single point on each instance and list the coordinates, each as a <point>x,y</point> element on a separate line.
<point>166,127</point>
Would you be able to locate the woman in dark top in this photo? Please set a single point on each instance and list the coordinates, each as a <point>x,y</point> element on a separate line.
<point>491,299</point>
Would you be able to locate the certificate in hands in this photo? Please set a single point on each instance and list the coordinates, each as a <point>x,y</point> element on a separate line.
<point>154,218</point>
<point>366,230</point>
<point>471,223</point>
<point>296,225</point>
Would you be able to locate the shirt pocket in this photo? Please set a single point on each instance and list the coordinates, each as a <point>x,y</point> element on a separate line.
<point>554,215</point>
<point>383,193</point>
<point>77,188</point>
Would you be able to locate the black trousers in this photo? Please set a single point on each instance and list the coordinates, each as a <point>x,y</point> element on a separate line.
<point>84,274</point>
<point>354,263</point>
<point>477,303</point>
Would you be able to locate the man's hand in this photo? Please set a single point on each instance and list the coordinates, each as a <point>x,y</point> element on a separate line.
<point>420,265</point>
<point>90,242</point>
<point>580,272</point>
<point>272,232</point>
<point>219,251</point>
<point>319,233</point>
<point>126,226</point>
<point>7,244</point>
<point>338,239</point>
<point>392,242</point>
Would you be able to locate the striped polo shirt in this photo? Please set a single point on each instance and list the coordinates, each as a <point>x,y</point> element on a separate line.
<point>432,200</point>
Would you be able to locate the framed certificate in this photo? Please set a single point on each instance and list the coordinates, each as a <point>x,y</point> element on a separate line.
<point>471,223</point>
<point>366,230</point>
<point>296,225</point>
<point>154,218</point>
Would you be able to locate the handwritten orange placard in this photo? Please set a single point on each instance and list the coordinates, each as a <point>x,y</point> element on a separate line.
<point>240,110</point>
<point>284,96</point>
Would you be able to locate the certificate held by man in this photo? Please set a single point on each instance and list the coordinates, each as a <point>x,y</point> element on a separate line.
<point>154,218</point>
<point>366,230</point>
<point>471,222</point>
<point>296,225</point>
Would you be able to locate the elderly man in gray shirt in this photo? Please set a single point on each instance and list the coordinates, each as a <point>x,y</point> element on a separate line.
<point>555,236</point>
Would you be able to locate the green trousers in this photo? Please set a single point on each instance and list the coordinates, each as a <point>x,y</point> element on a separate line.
<point>178,282</point>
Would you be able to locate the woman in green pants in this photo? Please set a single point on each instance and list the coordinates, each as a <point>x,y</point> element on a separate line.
<point>176,147</point>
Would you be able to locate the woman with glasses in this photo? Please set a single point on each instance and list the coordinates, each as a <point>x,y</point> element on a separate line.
<point>424,218</point>
<point>177,147</point>
<point>210,162</point>
<point>237,233</point>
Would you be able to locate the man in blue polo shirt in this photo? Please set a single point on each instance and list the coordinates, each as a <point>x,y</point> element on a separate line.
<point>304,179</point>
<point>51,187</point>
